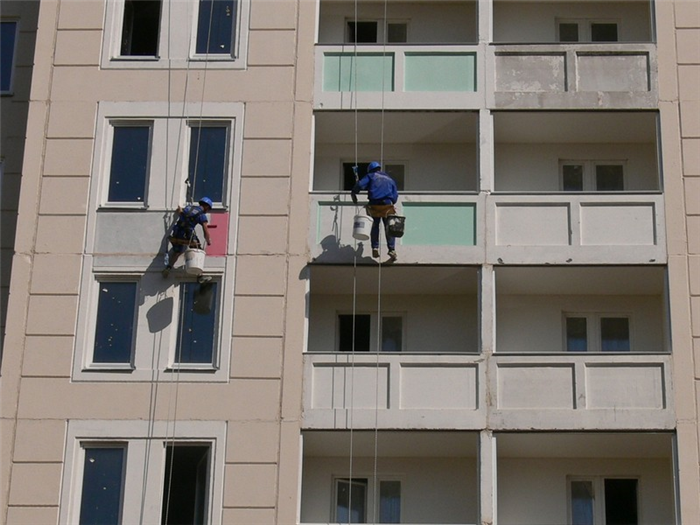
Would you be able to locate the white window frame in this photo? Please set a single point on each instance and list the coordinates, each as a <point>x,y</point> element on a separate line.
<point>13,67</point>
<point>218,123</point>
<point>146,443</point>
<point>373,329</point>
<point>598,483</point>
<point>372,495</point>
<point>174,51</point>
<point>589,173</point>
<point>584,28</point>
<point>593,330</point>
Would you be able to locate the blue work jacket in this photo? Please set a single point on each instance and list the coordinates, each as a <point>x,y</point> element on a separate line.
<point>381,188</point>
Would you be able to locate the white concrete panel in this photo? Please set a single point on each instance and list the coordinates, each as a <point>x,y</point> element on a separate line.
<point>533,387</point>
<point>347,386</point>
<point>533,225</point>
<point>605,72</point>
<point>620,225</point>
<point>625,386</point>
<point>439,387</point>
<point>530,73</point>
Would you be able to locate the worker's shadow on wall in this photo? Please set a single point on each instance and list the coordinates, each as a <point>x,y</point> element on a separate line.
<point>334,252</point>
<point>160,315</point>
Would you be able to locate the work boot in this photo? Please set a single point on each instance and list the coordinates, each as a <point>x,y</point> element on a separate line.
<point>375,253</point>
<point>392,255</point>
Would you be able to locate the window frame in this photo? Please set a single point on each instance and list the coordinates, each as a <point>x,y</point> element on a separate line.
<point>80,470</point>
<point>372,493</point>
<point>385,167</point>
<point>159,43</point>
<point>594,334</point>
<point>589,175</point>
<point>382,30</point>
<point>10,91</point>
<point>235,42</point>
<point>374,320</point>
<point>599,503</point>
<point>109,154</point>
<point>213,123</point>
<point>585,29</point>
<point>146,444</point>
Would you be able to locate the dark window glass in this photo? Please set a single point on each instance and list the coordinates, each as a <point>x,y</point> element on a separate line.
<point>364,32</point>
<point>141,27</point>
<point>114,334</point>
<point>572,177</point>
<point>621,502</point>
<point>604,32</point>
<point>392,334</point>
<point>576,334</point>
<point>185,497</point>
<point>208,161</point>
<point>615,334</point>
<point>216,26</point>
<point>345,324</point>
<point>8,39</point>
<point>129,171</point>
<point>389,502</point>
<point>195,342</point>
<point>396,172</point>
<point>609,177</point>
<point>397,33</point>
<point>582,510</point>
<point>351,494</point>
<point>568,32</point>
<point>101,496</point>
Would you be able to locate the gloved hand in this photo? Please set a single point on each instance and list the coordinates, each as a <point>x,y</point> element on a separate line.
<point>354,198</point>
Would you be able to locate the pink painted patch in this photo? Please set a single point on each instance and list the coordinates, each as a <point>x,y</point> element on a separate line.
<point>218,230</point>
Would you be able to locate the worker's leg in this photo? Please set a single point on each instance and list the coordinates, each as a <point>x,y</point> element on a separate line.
<point>374,233</point>
<point>390,241</point>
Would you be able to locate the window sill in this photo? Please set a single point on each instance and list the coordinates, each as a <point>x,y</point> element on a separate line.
<point>126,206</point>
<point>109,367</point>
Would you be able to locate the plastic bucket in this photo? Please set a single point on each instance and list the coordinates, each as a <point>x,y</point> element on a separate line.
<point>395,225</point>
<point>361,227</point>
<point>194,261</point>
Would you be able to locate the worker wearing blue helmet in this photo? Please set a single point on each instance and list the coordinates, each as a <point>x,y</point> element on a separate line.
<point>383,194</point>
<point>183,235</point>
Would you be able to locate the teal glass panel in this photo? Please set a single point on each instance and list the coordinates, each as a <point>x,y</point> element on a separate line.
<point>440,72</point>
<point>339,72</point>
<point>439,224</point>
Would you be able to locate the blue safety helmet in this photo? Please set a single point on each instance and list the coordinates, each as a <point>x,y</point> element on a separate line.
<point>373,166</point>
<point>207,201</point>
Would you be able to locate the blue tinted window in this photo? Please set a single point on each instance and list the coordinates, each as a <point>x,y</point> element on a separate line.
<point>208,161</point>
<point>389,502</point>
<point>615,334</point>
<point>101,497</point>
<point>129,170</point>
<point>216,26</point>
<point>115,323</point>
<point>351,501</point>
<point>197,331</point>
<point>8,34</point>
<point>576,334</point>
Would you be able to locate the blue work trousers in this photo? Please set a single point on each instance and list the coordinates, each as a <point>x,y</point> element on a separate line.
<point>374,234</point>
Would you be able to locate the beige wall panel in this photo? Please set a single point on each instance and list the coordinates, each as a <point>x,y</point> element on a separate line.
<point>32,515</point>
<point>295,337</point>
<point>60,234</point>
<point>262,235</point>
<point>250,485</point>
<point>694,235</point>
<point>68,157</point>
<point>271,48</point>
<point>64,196</point>
<point>255,84</point>
<point>78,48</point>
<point>688,82</point>
<point>93,84</point>
<point>81,14</point>
<point>35,484</point>
<point>690,118</point>
<point>696,354</point>
<point>689,478</point>
<point>256,357</point>
<point>261,275</point>
<point>691,157</point>
<point>301,161</point>
<point>249,516</point>
<point>273,14</point>
<point>695,315</point>
<point>264,120</point>
<point>252,442</point>
<point>52,314</point>
<point>267,158</point>
<point>306,60</point>
<point>692,195</point>
<point>48,356</point>
<point>687,13</point>
<point>241,400</point>
<point>264,196</point>
<point>258,316</point>
<point>289,471</point>
<point>688,42</point>
<point>56,274</point>
<point>40,441</point>
<point>72,120</point>
<point>694,264</point>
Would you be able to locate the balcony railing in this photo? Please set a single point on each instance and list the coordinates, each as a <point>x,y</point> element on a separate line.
<point>396,77</point>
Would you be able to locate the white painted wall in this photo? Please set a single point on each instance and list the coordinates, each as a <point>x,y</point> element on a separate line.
<point>535,167</point>
<point>439,22</point>
<point>533,491</point>
<point>433,490</point>
<point>534,323</point>
<point>432,324</point>
<point>517,22</point>
<point>429,167</point>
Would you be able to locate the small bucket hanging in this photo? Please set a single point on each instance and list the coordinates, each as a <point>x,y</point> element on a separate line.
<point>395,225</point>
<point>361,227</point>
<point>194,261</point>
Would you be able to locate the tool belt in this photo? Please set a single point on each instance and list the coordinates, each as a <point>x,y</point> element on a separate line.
<point>380,210</point>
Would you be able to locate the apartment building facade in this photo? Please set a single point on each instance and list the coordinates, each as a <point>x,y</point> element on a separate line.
<point>532,356</point>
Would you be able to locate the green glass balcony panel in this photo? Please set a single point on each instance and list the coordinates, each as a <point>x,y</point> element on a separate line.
<point>448,224</point>
<point>340,73</point>
<point>440,72</point>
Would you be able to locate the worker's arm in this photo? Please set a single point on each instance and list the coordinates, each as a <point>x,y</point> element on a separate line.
<point>359,186</point>
<point>205,227</point>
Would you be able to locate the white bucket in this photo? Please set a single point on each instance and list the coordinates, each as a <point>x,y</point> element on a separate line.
<point>361,227</point>
<point>194,261</point>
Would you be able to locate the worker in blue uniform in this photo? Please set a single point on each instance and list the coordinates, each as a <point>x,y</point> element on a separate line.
<point>383,194</point>
<point>183,235</point>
